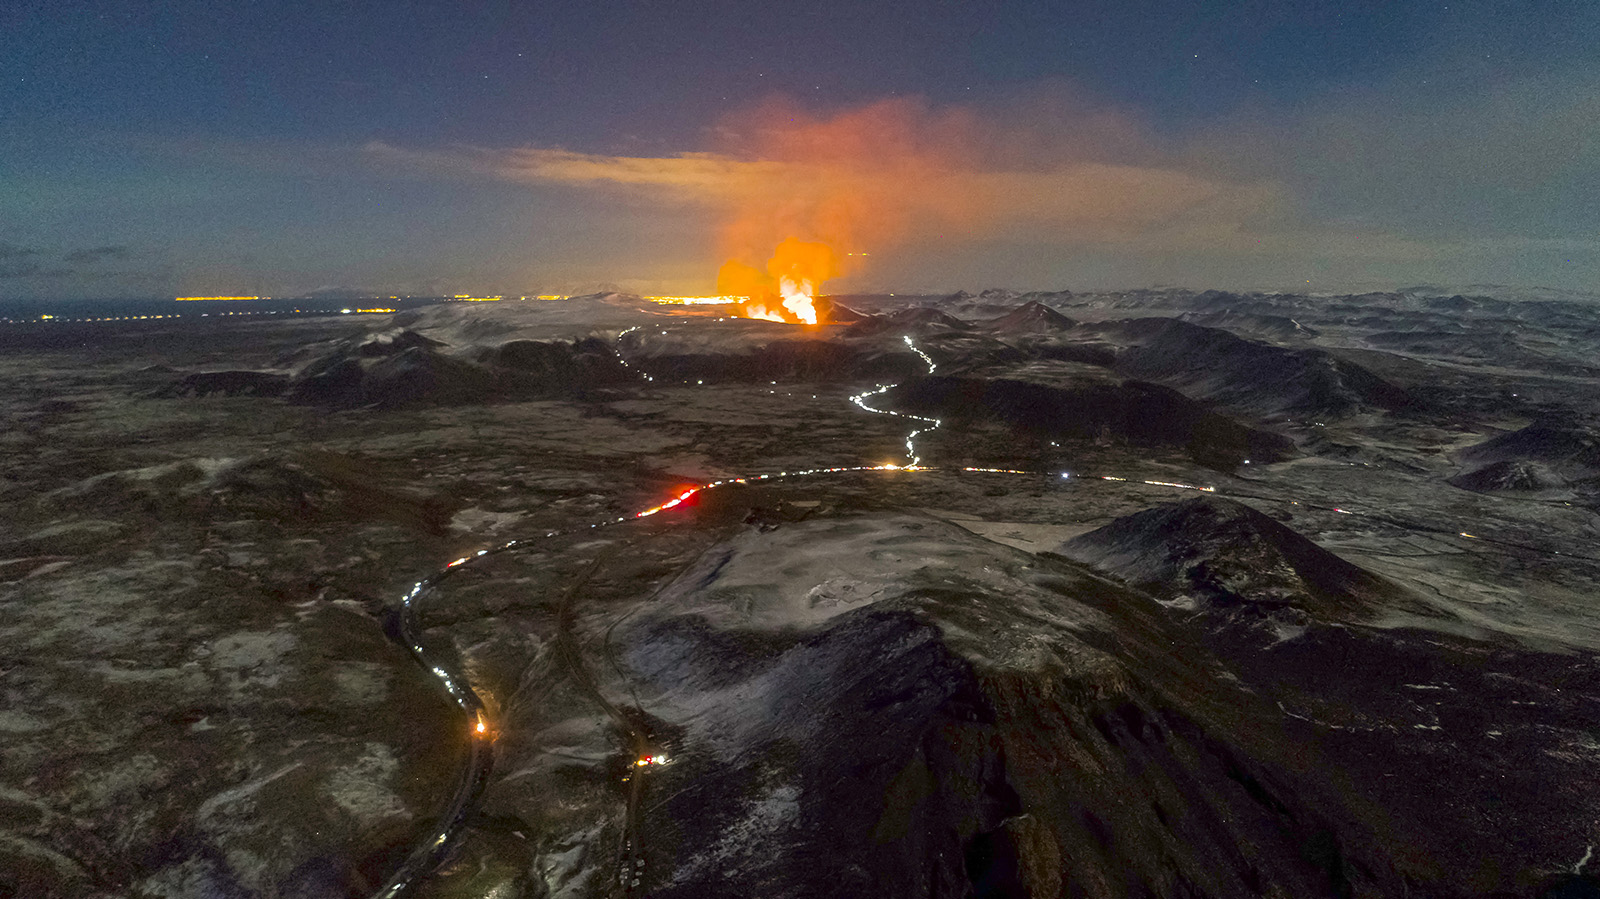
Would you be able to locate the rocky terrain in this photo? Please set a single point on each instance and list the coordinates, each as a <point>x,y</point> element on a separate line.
<point>1192,594</point>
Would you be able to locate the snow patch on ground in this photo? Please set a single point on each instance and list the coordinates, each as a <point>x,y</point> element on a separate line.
<point>566,871</point>
<point>362,787</point>
<point>28,848</point>
<point>362,683</point>
<point>250,660</point>
<point>803,574</point>
<point>192,877</point>
<point>764,822</point>
<point>16,721</point>
<point>107,609</point>
<point>124,782</point>
<point>482,521</point>
<point>233,819</point>
<point>1026,536</point>
<point>790,583</point>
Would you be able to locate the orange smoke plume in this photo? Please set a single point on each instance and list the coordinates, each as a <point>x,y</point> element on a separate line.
<point>904,173</point>
<point>833,200</point>
<point>898,171</point>
<point>785,292</point>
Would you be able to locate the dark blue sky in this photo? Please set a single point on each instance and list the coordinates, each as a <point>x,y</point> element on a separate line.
<point>222,141</point>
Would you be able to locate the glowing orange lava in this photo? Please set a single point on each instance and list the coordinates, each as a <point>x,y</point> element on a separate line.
<point>786,291</point>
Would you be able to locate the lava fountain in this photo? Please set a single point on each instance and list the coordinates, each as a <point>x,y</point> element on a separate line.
<point>786,291</point>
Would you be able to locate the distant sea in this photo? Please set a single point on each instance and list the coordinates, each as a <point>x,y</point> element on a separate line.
<point>13,312</point>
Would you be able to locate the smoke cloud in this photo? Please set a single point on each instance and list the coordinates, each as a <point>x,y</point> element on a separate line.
<point>873,178</point>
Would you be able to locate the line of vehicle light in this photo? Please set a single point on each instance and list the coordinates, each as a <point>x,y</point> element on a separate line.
<point>47,318</point>
<point>617,348</point>
<point>1174,484</point>
<point>860,400</point>
<point>915,349</point>
<point>695,301</point>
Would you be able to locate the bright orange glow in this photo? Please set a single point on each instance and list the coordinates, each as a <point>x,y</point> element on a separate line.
<point>786,291</point>
<point>695,301</point>
<point>670,504</point>
<point>797,299</point>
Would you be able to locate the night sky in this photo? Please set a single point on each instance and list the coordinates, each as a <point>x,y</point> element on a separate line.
<point>160,148</point>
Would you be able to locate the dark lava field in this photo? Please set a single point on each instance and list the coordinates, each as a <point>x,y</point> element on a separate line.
<point>1142,594</point>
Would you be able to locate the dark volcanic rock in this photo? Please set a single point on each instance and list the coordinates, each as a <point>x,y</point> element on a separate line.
<point>391,369</point>
<point>1249,375</point>
<point>836,313</point>
<point>228,383</point>
<point>1044,333</point>
<point>782,359</point>
<point>311,487</point>
<point>946,742</point>
<point>1229,555</point>
<point>1274,327</point>
<point>903,770</point>
<point>334,380</point>
<point>388,343</point>
<point>557,365</point>
<point>406,369</point>
<point>1572,450</point>
<point>917,321</point>
<point>1031,318</point>
<point>538,357</point>
<point>1012,726</point>
<point>1087,353</point>
<point>418,376</point>
<point>1140,413</point>
<point>1510,475</point>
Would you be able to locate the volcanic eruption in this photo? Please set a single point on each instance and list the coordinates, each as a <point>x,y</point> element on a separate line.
<point>786,291</point>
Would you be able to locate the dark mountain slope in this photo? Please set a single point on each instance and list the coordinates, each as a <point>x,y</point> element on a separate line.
<point>1031,318</point>
<point>1247,375</point>
<point>916,321</point>
<point>1572,449</point>
<point>1228,555</point>
<point>1139,413</point>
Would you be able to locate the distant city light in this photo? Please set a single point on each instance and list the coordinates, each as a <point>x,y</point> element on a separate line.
<point>695,301</point>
